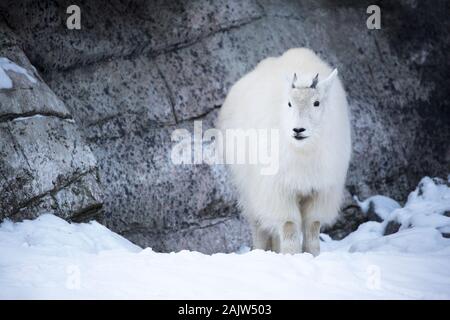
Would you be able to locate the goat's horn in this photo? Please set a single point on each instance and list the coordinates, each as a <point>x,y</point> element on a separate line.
<point>294,80</point>
<point>314,82</point>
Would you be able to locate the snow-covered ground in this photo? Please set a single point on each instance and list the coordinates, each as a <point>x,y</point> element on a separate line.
<point>50,258</point>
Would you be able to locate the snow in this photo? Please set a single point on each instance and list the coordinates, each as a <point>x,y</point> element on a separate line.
<point>8,65</point>
<point>383,206</point>
<point>38,116</point>
<point>49,258</point>
<point>425,206</point>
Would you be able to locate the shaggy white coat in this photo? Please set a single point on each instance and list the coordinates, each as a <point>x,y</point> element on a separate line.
<point>308,187</point>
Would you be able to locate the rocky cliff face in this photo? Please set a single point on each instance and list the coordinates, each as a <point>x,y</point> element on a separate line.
<point>137,70</point>
<point>45,164</point>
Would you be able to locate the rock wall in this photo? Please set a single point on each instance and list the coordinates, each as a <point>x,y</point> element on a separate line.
<point>45,164</point>
<point>137,70</point>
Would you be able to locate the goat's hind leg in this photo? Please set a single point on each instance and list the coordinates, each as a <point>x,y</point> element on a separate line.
<point>261,238</point>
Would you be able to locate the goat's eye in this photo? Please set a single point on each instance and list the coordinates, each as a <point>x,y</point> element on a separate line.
<point>289,104</point>
<point>316,103</point>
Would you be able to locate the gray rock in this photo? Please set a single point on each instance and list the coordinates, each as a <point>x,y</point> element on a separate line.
<point>7,37</point>
<point>179,23</point>
<point>44,159</point>
<point>149,197</point>
<point>349,219</point>
<point>391,227</point>
<point>115,90</point>
<point>45,164</point>
<point>117,28</point>
<point>26,97</point>
<point>372,215</point>
<point>50,44</point>
<point>80,199</point>
<point>229,234</point>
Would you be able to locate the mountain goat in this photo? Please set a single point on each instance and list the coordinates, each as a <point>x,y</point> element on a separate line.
<point>310,112</point>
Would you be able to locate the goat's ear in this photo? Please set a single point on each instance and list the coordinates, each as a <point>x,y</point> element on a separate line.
<point>325,85</point>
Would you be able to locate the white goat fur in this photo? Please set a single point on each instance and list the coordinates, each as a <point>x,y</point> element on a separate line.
<point>308,188</point>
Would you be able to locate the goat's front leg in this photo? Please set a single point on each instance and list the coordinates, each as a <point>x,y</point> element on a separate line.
<point>290,238</point>
<point>311,241</point>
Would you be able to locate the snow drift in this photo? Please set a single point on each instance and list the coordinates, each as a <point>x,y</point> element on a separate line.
<point>50,258</point>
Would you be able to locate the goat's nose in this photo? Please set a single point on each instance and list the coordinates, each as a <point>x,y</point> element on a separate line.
<point>298,130</point>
